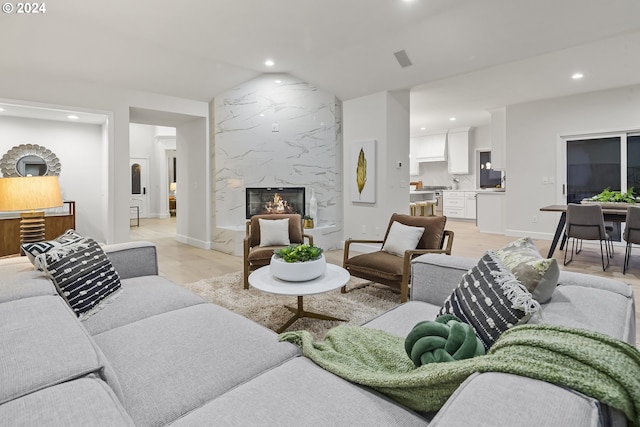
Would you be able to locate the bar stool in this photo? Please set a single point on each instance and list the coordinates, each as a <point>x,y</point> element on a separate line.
<point>431,204</point>
<point>412,209</point>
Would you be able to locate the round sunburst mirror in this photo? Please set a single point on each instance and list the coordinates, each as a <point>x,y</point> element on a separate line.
<point>29,160</point>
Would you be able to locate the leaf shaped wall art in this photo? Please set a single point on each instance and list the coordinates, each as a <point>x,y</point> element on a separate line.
<point>361,172</point>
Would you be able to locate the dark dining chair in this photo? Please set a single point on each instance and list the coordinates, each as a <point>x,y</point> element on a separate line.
<point>586,222</point>
<point>631,233</point>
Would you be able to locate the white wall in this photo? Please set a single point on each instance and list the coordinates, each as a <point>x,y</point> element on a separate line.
<point>193,225</point>
<point>80,148</point>
<point>39,88</point>
<point>533,131</point>
<point>384,117</point>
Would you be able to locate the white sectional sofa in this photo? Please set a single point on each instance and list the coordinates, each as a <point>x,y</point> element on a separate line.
<point>160,355</point>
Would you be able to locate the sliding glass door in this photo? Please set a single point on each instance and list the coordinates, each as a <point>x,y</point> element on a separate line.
<point>593,165</point>
<point>598,162</point>
<point>595,162</point>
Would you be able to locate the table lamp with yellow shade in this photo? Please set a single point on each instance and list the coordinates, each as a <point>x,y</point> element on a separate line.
<point>30,195</point>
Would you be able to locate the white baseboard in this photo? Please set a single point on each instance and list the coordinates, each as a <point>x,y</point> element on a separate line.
<point>201,244</point>
<point>533,235</point>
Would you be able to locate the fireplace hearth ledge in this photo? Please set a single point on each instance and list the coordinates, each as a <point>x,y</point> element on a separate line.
<point>230,238</point>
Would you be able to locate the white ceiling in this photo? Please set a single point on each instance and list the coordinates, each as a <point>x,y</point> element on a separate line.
<point>468,55</point>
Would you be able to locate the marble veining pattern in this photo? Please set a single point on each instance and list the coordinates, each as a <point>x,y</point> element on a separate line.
<point>305,151</point>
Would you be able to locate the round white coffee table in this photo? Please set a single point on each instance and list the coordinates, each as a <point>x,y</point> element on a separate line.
<point>334,278</point>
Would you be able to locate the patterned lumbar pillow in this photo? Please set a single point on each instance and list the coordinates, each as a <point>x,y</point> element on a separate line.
<point>83,275</point>
<point>539,275</point>
<point>32,250</point>
<point>490,299</point>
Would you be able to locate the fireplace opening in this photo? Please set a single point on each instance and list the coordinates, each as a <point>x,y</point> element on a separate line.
<point>275,200</point>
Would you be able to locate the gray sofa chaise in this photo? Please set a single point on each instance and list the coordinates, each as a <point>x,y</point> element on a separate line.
<point>159,355</point>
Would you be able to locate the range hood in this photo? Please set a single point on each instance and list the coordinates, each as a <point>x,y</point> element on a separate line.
<point>430,148</point>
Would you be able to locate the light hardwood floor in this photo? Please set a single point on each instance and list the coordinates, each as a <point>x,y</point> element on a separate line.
<point>185,264</point>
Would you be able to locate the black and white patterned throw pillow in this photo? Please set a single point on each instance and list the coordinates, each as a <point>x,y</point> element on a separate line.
<point>83,275</point>
<point>32,250</point>
<point>490,299</point>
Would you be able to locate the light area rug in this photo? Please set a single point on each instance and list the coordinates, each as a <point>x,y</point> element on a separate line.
<point>362,303</point>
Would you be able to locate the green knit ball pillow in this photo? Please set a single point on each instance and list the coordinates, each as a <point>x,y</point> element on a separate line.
<point>444,340</point>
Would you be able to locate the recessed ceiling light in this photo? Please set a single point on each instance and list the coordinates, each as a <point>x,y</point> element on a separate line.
<point>269,63</point>
<point>423,128</point>
<point>1,109</point>
<point>278,81</point>
<point>577,76</point>
<point>72,117</point>
<point>453,119</point>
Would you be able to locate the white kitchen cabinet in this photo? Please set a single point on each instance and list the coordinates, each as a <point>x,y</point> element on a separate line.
<point>429,148</point>
<point>458,151</point>
<point>459,204</point>
<point>470,204</point>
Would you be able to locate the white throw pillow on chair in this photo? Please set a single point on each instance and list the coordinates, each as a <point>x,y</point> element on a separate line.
<point>274,232</point>
<point>401,238</point>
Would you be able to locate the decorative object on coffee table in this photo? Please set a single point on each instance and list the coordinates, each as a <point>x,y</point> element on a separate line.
<point>298,263</point>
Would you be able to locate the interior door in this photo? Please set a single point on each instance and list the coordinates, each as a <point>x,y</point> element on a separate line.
<point>139,187</point>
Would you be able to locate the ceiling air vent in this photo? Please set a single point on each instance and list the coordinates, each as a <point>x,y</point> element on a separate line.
<point>402,58</point>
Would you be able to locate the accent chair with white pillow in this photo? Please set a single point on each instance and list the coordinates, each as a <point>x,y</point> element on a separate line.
<point>406,237</point>
<point>266,233</point>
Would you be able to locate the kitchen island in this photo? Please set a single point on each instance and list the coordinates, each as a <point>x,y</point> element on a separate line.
<point>491,211</point>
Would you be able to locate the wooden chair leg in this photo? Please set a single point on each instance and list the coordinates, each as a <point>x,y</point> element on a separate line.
<point>246,276</point>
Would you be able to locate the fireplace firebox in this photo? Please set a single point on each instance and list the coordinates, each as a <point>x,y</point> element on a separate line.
<point>275,200</point>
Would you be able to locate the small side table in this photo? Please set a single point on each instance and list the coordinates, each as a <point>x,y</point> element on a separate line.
<point>334,278</point>
<point>137,217</point>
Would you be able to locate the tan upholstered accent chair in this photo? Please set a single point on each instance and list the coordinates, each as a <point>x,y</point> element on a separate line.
<point>256,256</point>
<point>393,270</point>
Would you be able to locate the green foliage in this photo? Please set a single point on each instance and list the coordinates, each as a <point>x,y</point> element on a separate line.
<point>615,196</point>
<point>299,253</point>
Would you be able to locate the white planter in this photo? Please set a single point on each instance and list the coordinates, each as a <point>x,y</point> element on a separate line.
<point>297,271</point>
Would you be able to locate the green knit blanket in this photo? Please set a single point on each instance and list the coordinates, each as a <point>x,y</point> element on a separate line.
<point>591,363</point>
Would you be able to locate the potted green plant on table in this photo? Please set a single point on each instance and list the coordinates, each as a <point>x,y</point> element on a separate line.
<point>613,198</point>
<point>298,263</point>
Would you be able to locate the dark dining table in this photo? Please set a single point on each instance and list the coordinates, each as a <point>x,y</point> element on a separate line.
<point>617,215</point>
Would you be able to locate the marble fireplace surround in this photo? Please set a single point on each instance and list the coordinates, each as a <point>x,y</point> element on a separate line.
<point>276,131</point>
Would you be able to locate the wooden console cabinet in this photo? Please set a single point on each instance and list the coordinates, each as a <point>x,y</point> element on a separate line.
<point>55,225</point>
